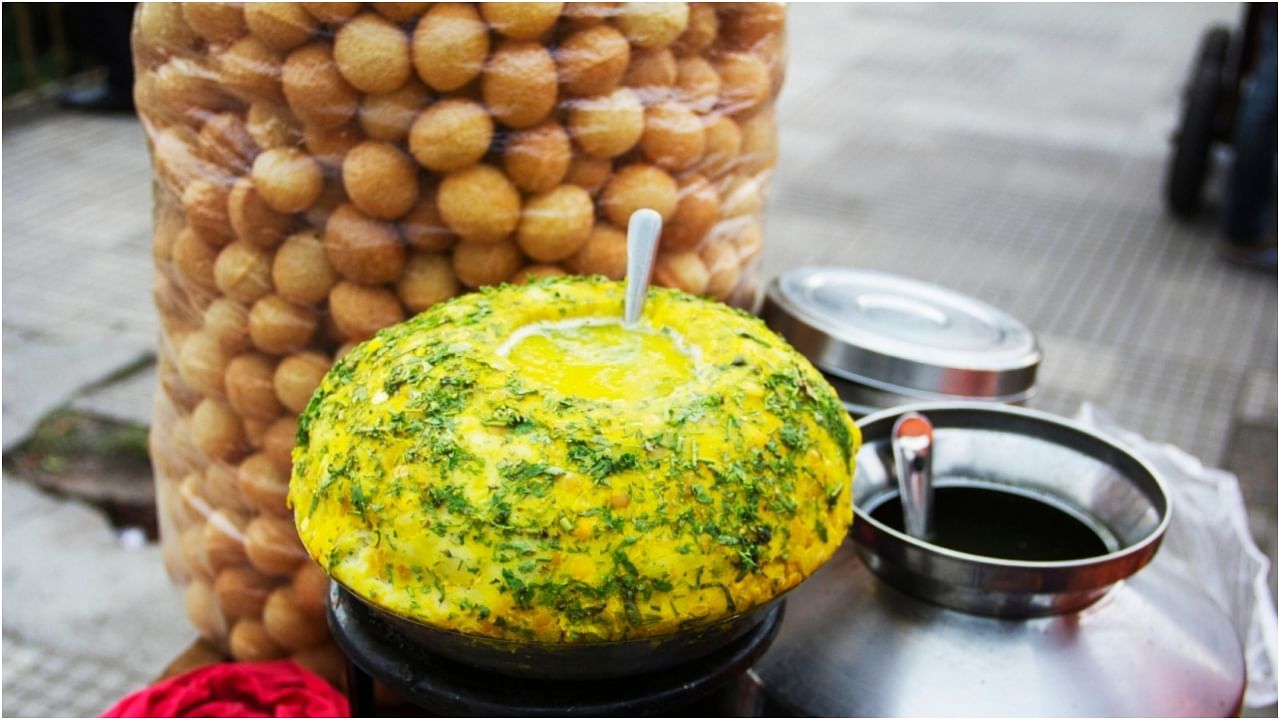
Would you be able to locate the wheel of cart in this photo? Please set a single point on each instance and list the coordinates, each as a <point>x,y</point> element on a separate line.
<point>1208,110</point>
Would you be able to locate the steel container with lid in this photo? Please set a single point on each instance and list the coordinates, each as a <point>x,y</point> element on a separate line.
<point>885,340</point>
<point>1038,625</point>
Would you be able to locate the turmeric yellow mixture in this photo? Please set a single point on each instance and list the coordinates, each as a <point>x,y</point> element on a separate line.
<point>516,464</point>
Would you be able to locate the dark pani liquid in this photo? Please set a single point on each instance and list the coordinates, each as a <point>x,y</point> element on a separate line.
<point>993,523</point>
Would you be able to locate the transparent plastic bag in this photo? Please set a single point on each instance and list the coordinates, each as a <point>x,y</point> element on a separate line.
<point>323,170</point>
<point>1209,538</point>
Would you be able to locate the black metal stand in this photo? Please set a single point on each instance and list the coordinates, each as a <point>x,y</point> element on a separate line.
<point>715,685</point>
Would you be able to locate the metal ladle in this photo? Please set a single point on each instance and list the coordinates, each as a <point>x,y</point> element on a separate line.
<point>643,230</point>
<point>912,441</point>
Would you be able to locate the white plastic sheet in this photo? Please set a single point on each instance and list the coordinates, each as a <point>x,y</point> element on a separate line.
<point>1209,537</point>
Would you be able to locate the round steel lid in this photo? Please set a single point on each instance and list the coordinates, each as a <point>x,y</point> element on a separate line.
<point>903,335</point>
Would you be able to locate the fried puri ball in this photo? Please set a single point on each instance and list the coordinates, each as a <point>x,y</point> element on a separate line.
<point>216,430</point>
<point>330,145</point>
<point>451,135</point>
<point>288,625</point>
<point>589,14</point>
<point>592,61</point>
<point>162,28</point>
<point>228,322</point>
<point>748,240</point>
<point>277,443</point>
<point>605,253</point>
<point>271,543</point>
<point>400,11</point>
<point>243,272</point>
<point>588,172</point>
<point>742,195</point>
<point>607,125</point>
<point>202,609</point>
<point>359,311</point>
<point>332,13</point>
<point>478,265</point>
<point>521,20</point>
<point>178,162</point>
<point>380,179</point>
<point>450,44</point>
<point>721,261</point>
<point>224,141</point>
<point>218,486</point>
<point>251,70</point>
<point>272,126</point>
<point>696,213</point>
<point>537,158</point>
<point>310,588</point>
<point>249,642</point>
<point>701,31</point>
<point>423,228</point>
<point>372,54</point>
<point>183,90</point>
<point>480,204</point>
<point>652,24</point>
<point>536,272</point>
<point>363,249</point>
<point>519,83</point>
<point>280,25</point>
<point>316,91</point>
<point>287,179</point>
<point>428,279</point>
<point>389,116</point>
<point>301,271</point>
<point>249,390</point>
<point>745,25</point>
<point>298,376</point>
<point>330,198</point>
<point>555,224</point>
<point>202,363</point>
<point>242,592</point>
<point>205,202</point>
<point>697,83</point>
<point>277,326</point>
<point>652,73</point>
<point>639,186</point>
<point>723,145</point>
<point>216,22</point>
<point>193,259</point>
<point>673,137</point>
<point>744,82</point>
<point>683,270</point>
<point>254,430</point>
<point>759,142</point>
<point>252,219</point>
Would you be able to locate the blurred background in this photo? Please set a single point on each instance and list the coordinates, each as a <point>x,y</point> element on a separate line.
<point>1016,153</point>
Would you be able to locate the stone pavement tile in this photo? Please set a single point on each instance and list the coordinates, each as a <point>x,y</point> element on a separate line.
<point>1258,397</point>
<point>41,681</point>
<point>128,399</point>
<point>43,373</point>
<point>77,199</point>
<point>70,586</point>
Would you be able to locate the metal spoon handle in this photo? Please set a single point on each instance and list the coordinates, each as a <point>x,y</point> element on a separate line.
<point>643,230</point>
<point>913,460</point>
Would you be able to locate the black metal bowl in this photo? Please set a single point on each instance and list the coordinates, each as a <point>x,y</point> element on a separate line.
<point>570,661</point>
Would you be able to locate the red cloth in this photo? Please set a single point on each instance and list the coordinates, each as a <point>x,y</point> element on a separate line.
<point>281,688</point>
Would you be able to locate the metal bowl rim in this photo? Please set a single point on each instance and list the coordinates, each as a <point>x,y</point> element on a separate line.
<point>1133,550</point>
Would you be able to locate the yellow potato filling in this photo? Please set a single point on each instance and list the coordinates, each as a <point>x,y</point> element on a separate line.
<point>515,463</point>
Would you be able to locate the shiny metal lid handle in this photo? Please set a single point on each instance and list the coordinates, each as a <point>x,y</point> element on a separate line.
<point>913,461</point>
<point>643,230</point>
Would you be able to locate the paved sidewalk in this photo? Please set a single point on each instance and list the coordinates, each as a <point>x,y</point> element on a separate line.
<point>1013,152</point>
